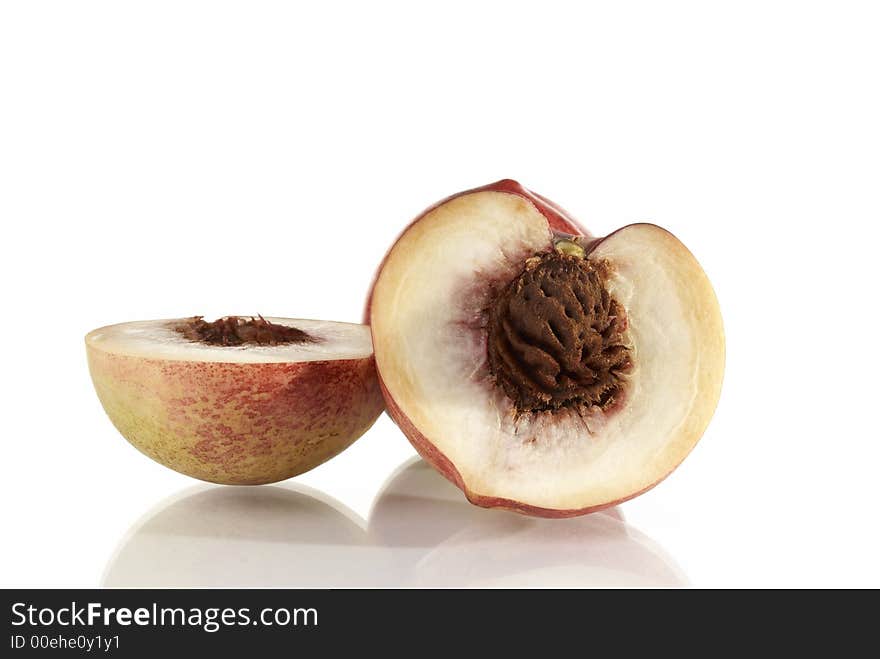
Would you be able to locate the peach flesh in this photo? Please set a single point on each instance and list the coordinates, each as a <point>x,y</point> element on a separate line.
<point>697,312</point>
<point>237,422</point>
<point>558,219</point>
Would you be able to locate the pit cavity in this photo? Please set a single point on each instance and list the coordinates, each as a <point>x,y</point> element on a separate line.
<point>557,339</point>
<point>241,331</point>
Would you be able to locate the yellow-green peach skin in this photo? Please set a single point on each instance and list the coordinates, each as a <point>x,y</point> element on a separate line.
<point>234,414</point>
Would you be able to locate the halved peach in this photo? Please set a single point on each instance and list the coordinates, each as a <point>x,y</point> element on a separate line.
<point>237,401</point>
<point>538,368</point>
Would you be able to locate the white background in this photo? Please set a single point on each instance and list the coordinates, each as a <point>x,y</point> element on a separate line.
<point>167,159</point>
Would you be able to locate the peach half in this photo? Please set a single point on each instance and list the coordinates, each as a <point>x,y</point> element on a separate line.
<point>237,401</point>
<point>538,368</point>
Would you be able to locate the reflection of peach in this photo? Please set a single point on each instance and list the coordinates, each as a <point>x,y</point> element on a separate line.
<point>421,532</point>
<point>596,550</point>
<point>286,535</point>
<point>538,368</point>
<point>236,414</point>
<point>443,541</point>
